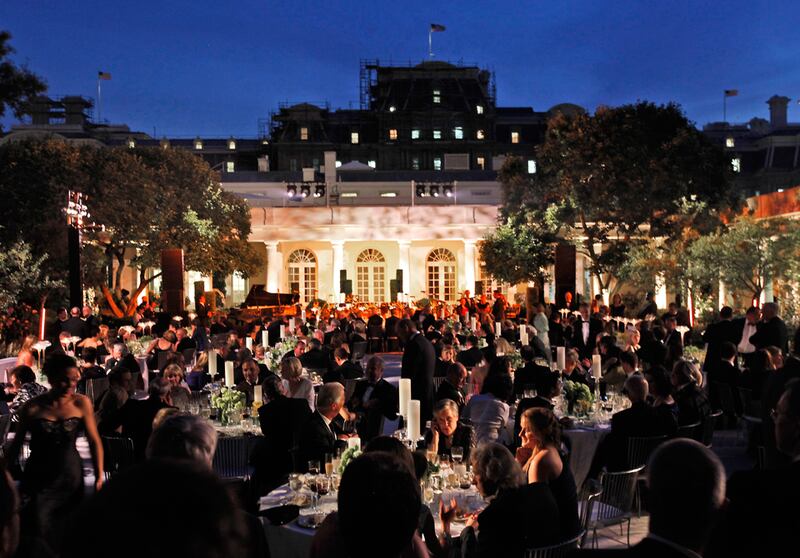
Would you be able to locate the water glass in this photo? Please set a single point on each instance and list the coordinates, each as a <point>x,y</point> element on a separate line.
<point>313,467</point>
<point>457,453</point>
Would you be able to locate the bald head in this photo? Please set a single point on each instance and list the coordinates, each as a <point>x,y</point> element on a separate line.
<point>637,388</point>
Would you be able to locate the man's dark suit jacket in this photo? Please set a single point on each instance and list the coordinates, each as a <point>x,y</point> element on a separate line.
<point>315,358</point>
<point>387,398</point>
<point>470,357</point>
<point>136,418</point>
<point>315,440</point>
<point>281,420</point>
<point>715,335</point>
<point>448,391</point>
<point>419,363</point>
<point>723,372</point>
<point>771,333</point>
<point>529,375</point>
<point>585,349</point>
<point>391,326</point>
<point>648,548</point>
<point>347,371</point>
<point>673,340</point>
<point>74,326</point>
<point>653,352</point>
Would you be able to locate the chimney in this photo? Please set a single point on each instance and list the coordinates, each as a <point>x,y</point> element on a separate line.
<point>778,107</point>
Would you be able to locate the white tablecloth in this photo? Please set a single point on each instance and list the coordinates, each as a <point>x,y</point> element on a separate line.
<point>584,442</point>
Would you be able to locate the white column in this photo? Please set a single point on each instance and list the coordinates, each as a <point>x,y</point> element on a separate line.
<point>579,274</point>
<point>404,247</point>
<point>469,266</point>
<point>722,294</point>
<point>596,290</point>
<point>274,267</point>
<point>338,264</point>
<point>661,291</point>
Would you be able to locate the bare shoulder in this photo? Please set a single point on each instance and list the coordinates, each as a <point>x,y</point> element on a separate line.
<point>82,402</point>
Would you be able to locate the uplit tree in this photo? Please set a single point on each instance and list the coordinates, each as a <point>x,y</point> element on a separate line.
<point>17,84</point>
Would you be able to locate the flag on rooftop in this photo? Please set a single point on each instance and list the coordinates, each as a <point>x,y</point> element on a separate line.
<point>731,92</point>
<point>103,75</point>
<point>435,27</point>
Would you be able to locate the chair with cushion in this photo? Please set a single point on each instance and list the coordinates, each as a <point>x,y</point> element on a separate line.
<point>375,339</point>
<point>728,402</point>
<point>707,429</point>
<point>556,550</point>
<point>614,506</point>
<point>232,457</point>
<point>640,448</point>
<point>689,431</point>
<point>437,381</point>
<point>162,359</point>
<point>118,455</point>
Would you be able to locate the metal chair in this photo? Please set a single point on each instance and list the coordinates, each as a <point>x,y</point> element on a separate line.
<point>389,426</point>
<point>556,550</point>
<point>750,407</point>
<point>591,492</point>
<point>118,455</point>
<point>392,343</point>
<point>232,456</point>
<point>95,388</point>
<point>707,430</point>
<point>375,339</point>
<point>689,431</point>
<point>200,398</point>
<point>640,448</point>
<point>614,506</point>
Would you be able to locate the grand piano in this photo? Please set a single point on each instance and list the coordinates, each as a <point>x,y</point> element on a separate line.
<point>258,297</point>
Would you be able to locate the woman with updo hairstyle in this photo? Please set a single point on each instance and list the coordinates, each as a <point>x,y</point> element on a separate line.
<point>540,455</point>
<point>297,387</point>
<point>52,483</point>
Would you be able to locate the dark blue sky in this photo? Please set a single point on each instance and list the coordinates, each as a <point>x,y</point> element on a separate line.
<point>215,67</point>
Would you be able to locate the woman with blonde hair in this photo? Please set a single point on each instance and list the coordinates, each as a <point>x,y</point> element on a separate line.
<point>25,355</point>
<point>296,385</point>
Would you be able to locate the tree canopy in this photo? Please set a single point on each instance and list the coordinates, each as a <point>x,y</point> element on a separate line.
<point>17,84</point>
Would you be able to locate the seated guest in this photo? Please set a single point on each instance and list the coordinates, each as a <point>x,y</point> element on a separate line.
<point>344,370</point>
<point>250,372</point>
<point>693,405</point>
<point>296,385</point>
<point>373,400</point>
<point>118,350</point>
<point>724,372</point>
<point>548,388</point>
<point>280,418</point>
<point>528,376</point>
<point>488,412</point>
<point>164,344</point>
<point>686,485</point>
<point>183,341</point>
<point>199,376</point>
<point>447,356</point>
<point>663,403</point>
<point>574,372</point>
<point>451,388</point>
<point>364,525</point>
<point>24,388</point>
<point>135,418</point>
<point>119,387</point>
<point>318,435</point>
<point>89,369</point>
<point>519,515</point>
<point>472,355</point>
<point>180,391</point>
<point>754,377</point>
<point>314,357</point>
<point>639,420</point>
<point>762,517</point>
<point>183,437</point>
<point>613,373</point>
<point>540,456</point>
<point>446,432</point>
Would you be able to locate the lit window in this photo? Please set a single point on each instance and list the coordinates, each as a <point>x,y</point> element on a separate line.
<point>239,282</point>
<point>388,194</point>
<point>349,194</point>
<point>437,96</point>
<point>231,144</point>
<point>736,164</point>
<point>480,135</point>
<point>730,142</point>
<point>354,137</point>
<point>514,137</point>
<point>198,144</point>
<point>458,132</point>
<point>229,166</point>
<point>531,166</point>
<point>437,163</point>
<point>165,143</point>
<point>437,134</point>
<point>481,162</point>
<point>393,134</point>
<point>372,164</point>
<point>415,163</point>
<point>338,164</point>
<point>414,134</point>
<point>131,143</point>
<point>304,134</point>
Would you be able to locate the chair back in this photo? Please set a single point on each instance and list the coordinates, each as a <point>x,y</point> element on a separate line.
<point>726,398</point>
<point>749,406</point>
<point>95,388</point>
<point>689,431</point>
<point>556,550</point>
<point>591,492</point>
<point>437,382</point>
<point>349,388</point>
<point>232,456</point>
<point>162,360</point>
<point>118,455</point>
<point>188,355</point>
<point>389,426</point>
<point>375,332</point>
<point>359,351</point>
<point>708,428</point>
<point>640,448</point>
<point>616,501</point>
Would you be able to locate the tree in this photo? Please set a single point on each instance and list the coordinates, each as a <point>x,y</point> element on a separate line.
<point>608,181</point>
<point>22,276</point>
<point>748,253</point>
<point>17,84</point>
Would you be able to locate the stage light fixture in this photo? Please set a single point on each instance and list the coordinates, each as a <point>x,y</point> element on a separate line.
<point>291,190</point>
<point>421,193</point>
<point>305,190</point>
<point>319,191</point>
<point>448,190</point>
<point>434,190</point>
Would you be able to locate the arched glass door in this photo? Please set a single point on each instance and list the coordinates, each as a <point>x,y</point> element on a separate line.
<point>303,274</point>
<point>371,276</point>
<point>441,275</point>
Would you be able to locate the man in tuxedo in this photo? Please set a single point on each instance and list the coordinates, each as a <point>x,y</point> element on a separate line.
<point>118,350</point>
<point>418,364</point>
<point>319,434</point>
<point>585,331</point>
<point>74,325</point>
<point>136,417</point>
<point>314,357</point>
<point>686,484</point>
<point>716,334</point>
<point>762,517</point>
<point>529,375</point>
<point>725,372</point>
<point>250,372</point>
<point>89,318</point>
<point>771,331</point>
<point>451,387</point>
<point>673,341</point>
<point>472,355</point>
<point>373,399</point>
<point>344,370</point>
<point>744,329</point>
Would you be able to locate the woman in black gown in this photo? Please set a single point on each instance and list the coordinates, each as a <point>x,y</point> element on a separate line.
<point>52,481</point>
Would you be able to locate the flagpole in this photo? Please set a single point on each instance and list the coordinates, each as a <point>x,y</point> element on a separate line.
<point>725,106</point>
<point>98,98</point>
<point>430,43</point>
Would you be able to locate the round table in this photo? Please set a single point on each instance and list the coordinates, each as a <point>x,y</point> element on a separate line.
<point>584,441</point>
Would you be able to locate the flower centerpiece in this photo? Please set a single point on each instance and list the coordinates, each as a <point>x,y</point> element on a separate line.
<point>274,356</point>
<point>230,402</point>
<point>348,455</point>
<point>516,359</point>
<point>579,397</point>
<point>138,347</point>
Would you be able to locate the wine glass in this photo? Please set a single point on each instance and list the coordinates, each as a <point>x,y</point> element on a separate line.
<point>328,463</point>
<point>457,453</point>
<point>313,467</point>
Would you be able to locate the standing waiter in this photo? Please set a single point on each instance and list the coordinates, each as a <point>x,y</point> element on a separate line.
<point>419,363</point>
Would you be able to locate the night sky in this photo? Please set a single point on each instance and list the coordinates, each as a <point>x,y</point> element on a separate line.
<point>208,68</point>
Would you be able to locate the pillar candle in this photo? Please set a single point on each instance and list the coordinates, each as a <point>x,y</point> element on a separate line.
<point>248,342</point>
<point>413,420</point>
<point>497,329</point>
<point>265,338</point>
<point>258,394</point>
<point>405,396</point>
<point>283,332</point>
<point>229,373</point>
<point>597,367</point>
<point>561,357</point>
<point>41,323</point>
<point>523,335</point>
<point>291,326</point>
<point>212,363</point>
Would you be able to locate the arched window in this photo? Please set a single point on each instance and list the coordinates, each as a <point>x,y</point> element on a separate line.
<point>441,277</point>
<point>303,274</point>
<point>371,276</point>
